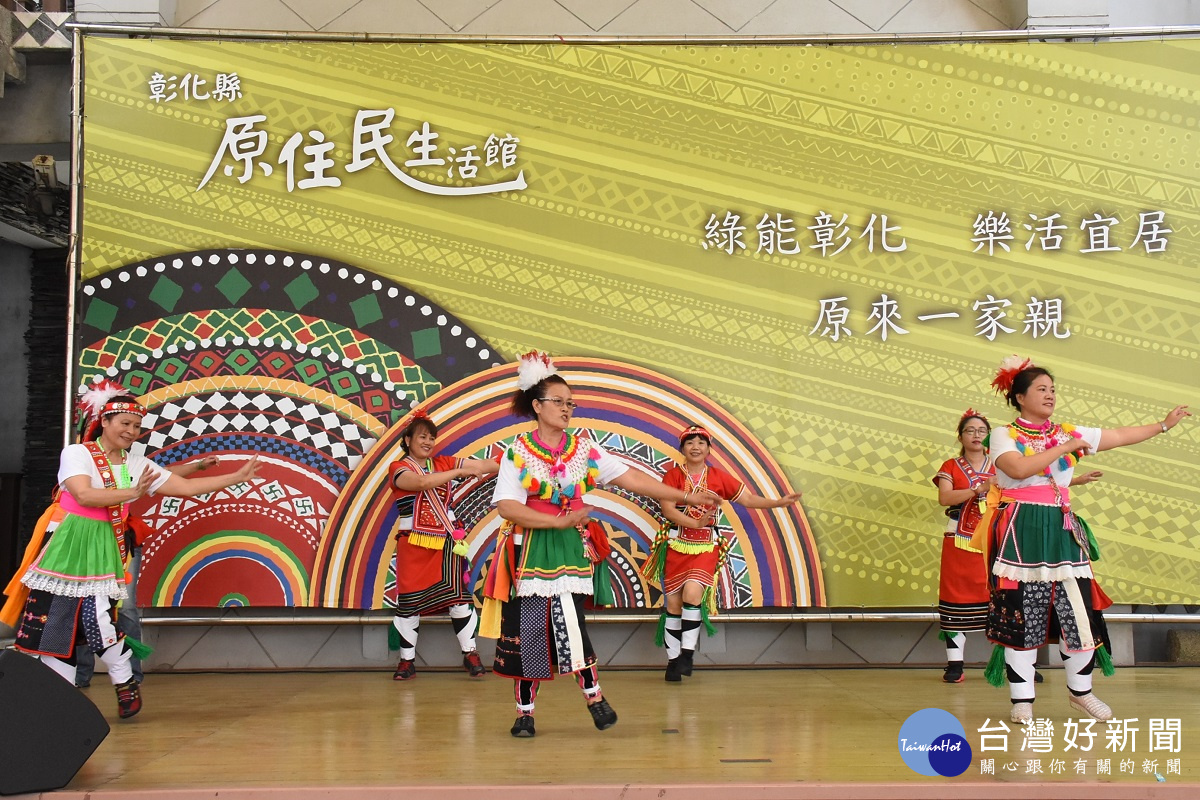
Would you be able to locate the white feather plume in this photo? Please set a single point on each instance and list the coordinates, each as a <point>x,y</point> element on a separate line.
<point>93,399</point>
<point>1015,362</point>
<point>533,368</point>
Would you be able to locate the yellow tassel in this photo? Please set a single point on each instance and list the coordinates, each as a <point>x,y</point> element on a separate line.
<point>691,548</point>
<point>430,541</point>
<point>964,543</point>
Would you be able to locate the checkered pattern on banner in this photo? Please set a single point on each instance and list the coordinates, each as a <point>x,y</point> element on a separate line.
<point>267,415</point>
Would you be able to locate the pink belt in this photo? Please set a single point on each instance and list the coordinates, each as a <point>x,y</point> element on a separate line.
<point>544,506</point>
<point>1043,494</point>
<point>71,506</point>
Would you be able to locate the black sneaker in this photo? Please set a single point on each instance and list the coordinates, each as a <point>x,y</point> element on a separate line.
<point>602,714</point>
<point>954,673</point>
<point>405,670</point>
<point>523,727</point>
<point>685,662</point>
<point>473,665</point>
<point>1037,677</point>
<point>674,671</point>
<point>129,699</point>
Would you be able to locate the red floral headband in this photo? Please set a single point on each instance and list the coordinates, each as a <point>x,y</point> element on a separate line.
<point>695,430</point>
<point>970,412</point>
<point>123,408</point>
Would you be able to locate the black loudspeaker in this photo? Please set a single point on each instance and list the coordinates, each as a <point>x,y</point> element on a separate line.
<point>49,727</point>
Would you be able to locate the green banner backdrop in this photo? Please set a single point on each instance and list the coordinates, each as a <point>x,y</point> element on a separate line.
<point>822,251</point>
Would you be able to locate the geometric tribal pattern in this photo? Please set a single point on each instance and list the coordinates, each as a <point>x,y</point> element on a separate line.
<point>303,361</point>
<point>318,352</point>
<point>350,381</point>
<point>199,416</point>
<point>269,287</point>
<point>303,457</point>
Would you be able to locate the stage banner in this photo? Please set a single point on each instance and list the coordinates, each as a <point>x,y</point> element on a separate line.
<point>820,253</point>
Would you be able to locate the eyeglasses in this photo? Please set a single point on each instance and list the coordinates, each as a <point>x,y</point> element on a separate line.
<point>983,431</point>
<point>560,402</point>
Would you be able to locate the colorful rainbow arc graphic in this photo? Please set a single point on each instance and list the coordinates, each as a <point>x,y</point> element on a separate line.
<point>207,552</point>
<point>614,398</point>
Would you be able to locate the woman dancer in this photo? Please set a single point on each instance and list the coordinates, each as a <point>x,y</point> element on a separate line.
<point>75,581</point>
<point>962,484</point>
<point>543,567</point>
<point>430,562</point>
<point>1039,552</point>
<point>688,557</point>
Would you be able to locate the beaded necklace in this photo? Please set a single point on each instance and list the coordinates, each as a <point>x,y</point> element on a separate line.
<point>121,475</point>
<point>695,487</point>
<point>1033,439</point>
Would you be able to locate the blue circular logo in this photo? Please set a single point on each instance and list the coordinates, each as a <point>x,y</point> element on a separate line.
<point>933,742</point>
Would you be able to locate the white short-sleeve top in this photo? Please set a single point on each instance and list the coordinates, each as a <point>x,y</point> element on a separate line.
<point>76,460</point>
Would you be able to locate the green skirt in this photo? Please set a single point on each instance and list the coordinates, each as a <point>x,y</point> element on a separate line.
<point>553,562</point>
<point>82,559</point>
<point>1031,544</point>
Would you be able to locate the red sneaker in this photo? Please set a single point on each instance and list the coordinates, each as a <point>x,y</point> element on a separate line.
<point>129,699</point>
<point>405,670</point>
<point>473,665</point>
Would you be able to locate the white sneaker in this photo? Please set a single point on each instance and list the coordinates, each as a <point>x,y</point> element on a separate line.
<point>1092,706</point>
<point>1022,713</point>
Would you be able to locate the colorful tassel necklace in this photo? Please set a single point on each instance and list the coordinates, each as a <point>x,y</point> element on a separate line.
<point>548,476</point>
<point>1033,439</point>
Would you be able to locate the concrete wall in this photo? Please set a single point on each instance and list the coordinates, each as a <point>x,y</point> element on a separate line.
<point>15,270</point>
<point>606,17</point>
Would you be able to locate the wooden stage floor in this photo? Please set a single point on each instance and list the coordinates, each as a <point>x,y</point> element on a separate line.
<point>802,733</point>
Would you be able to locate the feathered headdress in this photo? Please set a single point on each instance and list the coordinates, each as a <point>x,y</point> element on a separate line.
<point>420,413</point>
<point>694,430</point>
<point>1009,369</point>
<point>95,403</point>
<point>533,368</point>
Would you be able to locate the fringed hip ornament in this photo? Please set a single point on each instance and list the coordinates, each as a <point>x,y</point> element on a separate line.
<point>499,582</point>
<point>1071,522</point>
<point>656,562</point>
<point>597,548</point>
<point>429,541</point>
<point>589,549</point>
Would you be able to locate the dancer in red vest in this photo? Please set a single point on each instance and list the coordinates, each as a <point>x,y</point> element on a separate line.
<point>431,545</point>
<point>962,483</point>
<point>688,557</point>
